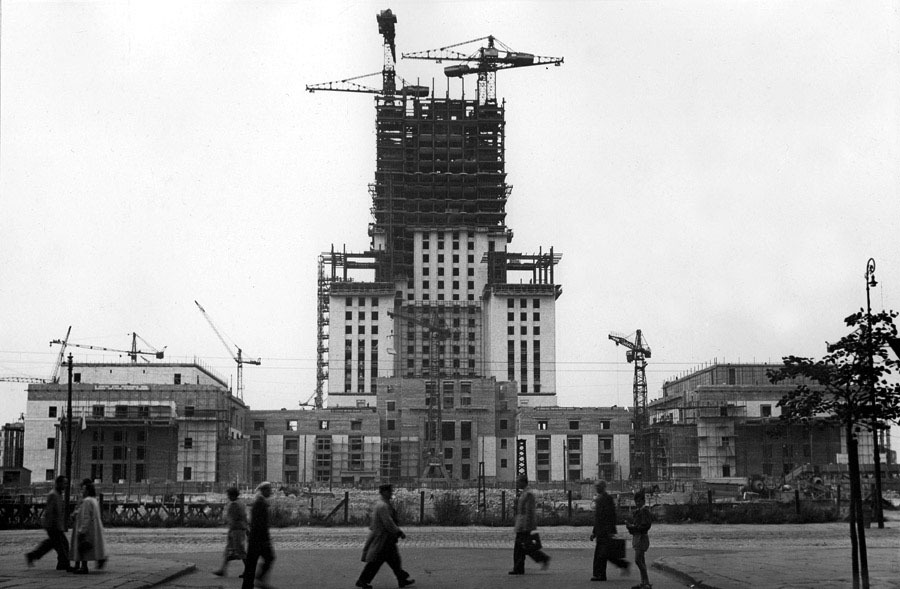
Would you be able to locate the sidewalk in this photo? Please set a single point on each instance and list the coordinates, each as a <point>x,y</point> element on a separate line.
<point>121,572</point>
<point>805,567</point>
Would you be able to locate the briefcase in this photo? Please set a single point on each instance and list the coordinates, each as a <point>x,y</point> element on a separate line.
<point>616,549</point>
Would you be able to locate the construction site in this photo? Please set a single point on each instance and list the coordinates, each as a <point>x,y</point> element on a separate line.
<point>436,349</point>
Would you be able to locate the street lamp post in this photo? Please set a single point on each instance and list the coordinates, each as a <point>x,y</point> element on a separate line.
<point>876,499</point>
<point>68,443</point>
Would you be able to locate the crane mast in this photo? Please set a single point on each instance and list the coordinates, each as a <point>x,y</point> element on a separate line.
<point>387,22</point>
<point>433,452</point>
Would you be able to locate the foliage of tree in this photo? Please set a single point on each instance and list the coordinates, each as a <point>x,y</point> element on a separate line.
<point>841,385</point>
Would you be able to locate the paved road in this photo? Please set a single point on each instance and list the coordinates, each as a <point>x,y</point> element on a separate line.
<point>735,557</point>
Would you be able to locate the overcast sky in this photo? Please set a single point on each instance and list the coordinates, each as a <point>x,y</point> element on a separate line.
<point>715,174</point>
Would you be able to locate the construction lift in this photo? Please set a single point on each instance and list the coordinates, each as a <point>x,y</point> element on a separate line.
<point>433,452</point>
<point>484,62</point>
<point>386,27</point>
<point>637,352</point>
<point>238,358</point>
<point>54,375</point>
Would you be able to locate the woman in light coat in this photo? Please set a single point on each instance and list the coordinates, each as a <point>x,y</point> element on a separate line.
<point>87,532</point>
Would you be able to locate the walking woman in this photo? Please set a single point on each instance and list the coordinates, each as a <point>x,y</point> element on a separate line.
<point>236,517</point>
<point>87,532</point>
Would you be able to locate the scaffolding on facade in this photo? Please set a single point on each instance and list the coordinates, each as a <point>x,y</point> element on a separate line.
<point>439,163</point>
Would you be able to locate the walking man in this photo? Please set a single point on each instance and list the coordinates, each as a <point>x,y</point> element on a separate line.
<point>54,522</point>
<point>259,543</point>
<point>604,530</point>
<point>526,544</point>
<point>381,545</point>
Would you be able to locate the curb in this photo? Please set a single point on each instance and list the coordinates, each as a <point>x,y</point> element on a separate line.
<point>188,568</point>
<point>681,575</point>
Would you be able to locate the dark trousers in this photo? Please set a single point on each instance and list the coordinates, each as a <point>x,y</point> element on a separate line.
<point>391,556</point>
<point>520,552</point>
<point>601,551</point>
<point>56,540</point>
<point>255,551</point>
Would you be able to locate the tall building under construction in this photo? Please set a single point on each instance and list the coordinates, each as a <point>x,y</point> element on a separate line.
<point>445,297</point>
<point>440,303</point>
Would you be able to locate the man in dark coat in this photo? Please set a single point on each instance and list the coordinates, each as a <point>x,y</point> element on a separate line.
<point>54,522</point>
<point>259,544</point>
<point>381,545</point>
<point>604,530</point>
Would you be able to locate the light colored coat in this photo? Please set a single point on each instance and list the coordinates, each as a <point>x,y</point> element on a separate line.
<point>89,523</point>
<point>383,530</point>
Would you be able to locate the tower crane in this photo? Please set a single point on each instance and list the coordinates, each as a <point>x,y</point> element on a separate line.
<point>238,358</point>
<point>133,353</point>
<point>54,375</point>
<point>433,452</point>
<point>638,351</point>
<point>485,62</point>
<point>386,27</point>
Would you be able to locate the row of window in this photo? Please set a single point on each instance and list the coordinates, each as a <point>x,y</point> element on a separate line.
<point>523,330</point>
<point>426,258</point>
<point>360,315</point>
<point>426,271</point>
<point>360,329</point>
<point>361,301</point>
<point>573,424</point>
<point>454,284</point>
<point>470,244</point>
<point>523,303</point>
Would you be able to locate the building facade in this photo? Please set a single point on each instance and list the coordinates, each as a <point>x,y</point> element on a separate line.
<point>720,423</point>
<point>138,423</point>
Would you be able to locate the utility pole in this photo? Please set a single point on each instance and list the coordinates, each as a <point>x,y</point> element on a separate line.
<point>876,499</point>
<point>68,444</point>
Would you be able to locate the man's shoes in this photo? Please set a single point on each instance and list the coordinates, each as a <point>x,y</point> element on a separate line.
<point>362,585</point>
<point>80,571</point>
<point>598,578</point>
<point>62,567</point>
<point>516,573</point>
<point>546,564</point>
<point>406,583</point>
<point>29,560</point>
<point>219,573</point>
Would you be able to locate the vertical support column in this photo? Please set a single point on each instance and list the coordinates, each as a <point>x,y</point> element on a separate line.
<point>521,467</point>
